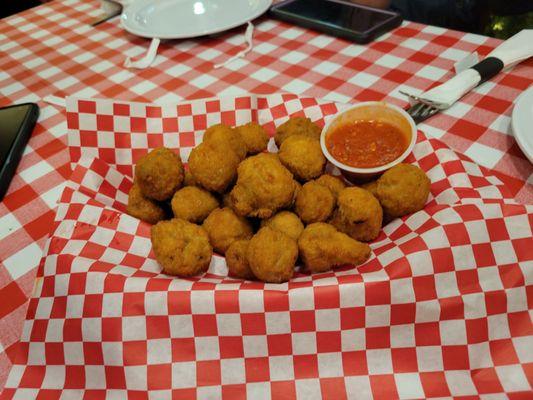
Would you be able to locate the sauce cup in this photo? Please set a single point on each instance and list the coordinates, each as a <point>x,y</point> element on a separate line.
<point>367,111</point>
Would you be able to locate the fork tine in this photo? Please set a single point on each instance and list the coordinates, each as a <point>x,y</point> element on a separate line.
<point>421,111</point>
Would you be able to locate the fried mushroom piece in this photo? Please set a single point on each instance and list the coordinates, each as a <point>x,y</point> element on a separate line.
<point>286,222</point>
<point>314,203</point>
<point>213,168</point>
<point>372,187</point>
<point>402,190</point>
<point>224,227</point>
<point>221,135</point>
<point>302,156</point>
<point>358,214</point>
<point>237,262</point>
<point>193,204</point>
<point>322,247</point>
<point>272,255</point>
<point>296,126</point>
<point>159,174</point>
<point>254,136</point>
<point>181,248</point>
<point>145,209</point>
<point>263,186</point>
<point>188,179</point>
<point>334,183</point>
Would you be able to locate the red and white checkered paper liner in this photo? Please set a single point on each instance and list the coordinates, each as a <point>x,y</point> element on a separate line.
<point>442,308</point>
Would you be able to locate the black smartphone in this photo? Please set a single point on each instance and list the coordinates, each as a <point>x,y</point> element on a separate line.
<point>338,18</point>
<point>16,125</point>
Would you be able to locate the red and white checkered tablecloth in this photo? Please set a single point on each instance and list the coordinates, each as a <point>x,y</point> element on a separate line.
<point>51,50</point>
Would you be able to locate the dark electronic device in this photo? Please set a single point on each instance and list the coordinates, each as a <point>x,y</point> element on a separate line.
<point>338,18</point>
<point>16,126</point>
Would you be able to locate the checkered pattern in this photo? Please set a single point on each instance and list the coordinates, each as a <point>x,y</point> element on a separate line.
<point>51,49</point>
<point>441,308</point>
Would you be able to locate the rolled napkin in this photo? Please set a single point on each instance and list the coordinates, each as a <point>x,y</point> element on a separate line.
<point>514,50</point>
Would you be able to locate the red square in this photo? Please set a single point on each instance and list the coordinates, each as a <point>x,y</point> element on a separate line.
<point>133,304</point>
<point>283,390</point>
<point>279,345</point>
<point>303,321</point>
<point>327,342</point>
<point>155,141</point>
<point>483,254</point>
<point>187,139</point>
<point>74,377</point>
<point>404,360</point>
<point>231,347</point>
<point>455,357</point>
<point>275,301</point>
<point>181,394</point>
<point>452,308</point>
<point>71,330</point>
<point>54,354</point>
<point>199,122</point>
<point>105,123</point>
<point>228,118</point>
<point>486,380</point>
<point>38,330</point>
<point>434,384</point>
<point>230,392</point>
<point>427,334</point>
<point>157,327</point>
<point>511,276</point>
<point>383,386</point>
<point>205,325</point>
<point>179,303</point>
<point>76,283</point>
<point>138,124</point>
<point>115,378</point>
<point>377,338</point>
<point>93,353</point>
<point>170,124</point>
<point>183,349</point>
<point>326,297</point>
<point>227,301</point>
<point>522,248</point>
<point>159,377</point>
<point>352,318</point>
<point>496,302</point>
<point>332,388</point>
<point>520,323</point>
<point>212,106</point>
<point>257,369</point>
<point>403,314</point>
<point>253,324</point>
<point>424,287</point>
<point>59,307</point>
<point>377,293</point>
<point>153,112</point>
<point>305,366</point>
<point>243,103</point>
<point>121,109</point>
<point>73,121</point>
<point>87,106</point>
<point>135,352</point>
<point>468,130</point>
<point>503,352</point>
<point>354,363</point>
<point>497,229</point>
<point>457,234</point>
<point>468,281</point>
<point>477,330</point>
<point>208,373</point>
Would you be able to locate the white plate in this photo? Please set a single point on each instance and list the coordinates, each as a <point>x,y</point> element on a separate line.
<point>522,122</point>
<point>179,19</point>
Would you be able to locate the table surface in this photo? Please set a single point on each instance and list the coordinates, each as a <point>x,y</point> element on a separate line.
<point>52,50</point>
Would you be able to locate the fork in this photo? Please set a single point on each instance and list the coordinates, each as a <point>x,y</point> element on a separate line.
<point>422,109</point>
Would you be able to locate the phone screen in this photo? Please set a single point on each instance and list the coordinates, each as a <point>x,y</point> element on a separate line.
<point>337,14</point>
<point>11,119</point>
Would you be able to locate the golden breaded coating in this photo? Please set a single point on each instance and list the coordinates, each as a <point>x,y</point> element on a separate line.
<point>159,174</point>
<point>358,214</point>
<point>188,179</point>
<point>372,187</point>
<point>221,135</point>
<point>263,186</point>
<point>145,209</point>
<point>297,126</point>
<point>193,204</point>
<point>237,261</point>
<point>181,248</point>
<point>322,247</point>
<point>213,168</point>
<point>302,156</point>
<point>286,222</point>
<point>224,227</point>
<point>314,203</point>
<point>334,183</point>
<point>272,255</point>
<point>402,190</point>
<point>254,136</point>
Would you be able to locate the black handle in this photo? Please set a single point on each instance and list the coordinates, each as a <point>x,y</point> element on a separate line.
<point>488,68</point>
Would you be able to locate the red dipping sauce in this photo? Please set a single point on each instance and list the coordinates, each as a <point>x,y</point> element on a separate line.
<point>366,144</point>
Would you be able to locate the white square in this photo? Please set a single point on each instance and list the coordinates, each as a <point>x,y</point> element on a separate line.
<point>358,387</point>
<point>232,371</point>
<point>203,81</point>
<point>183,375</point>
<point>229,324</point>
<point>54,330</point>
<point>328,319</point>
<point>264,74</point>
<point>258,390</point>
<point>277,322</point>
<point>23,261</point>
<point>429,358</point>
<point>181,326</point>
<point>516,299</point>
<point>504,252</point>
<point>489,279</point>
<point>202,302</point>
<point>95,377</point>
<point>160,351</point>
<point>15,375</point>
<point>479,355</point>
<point>134,328</point>
<point>409,386</point>
<point>498,327</point>
<point>432,131</point>
<point>484,155</point>
<point>265,48</point>
<point>512,378</point>
<point>523,346</point>
<point>156,303</point>
<point>477,232</point>
<point>390,61</point>
<point>251,301</point>
<point>66,82</point>
<point>36,354</point>
<point>402,336</point>
<point>330,365</point>
<point>421,263</point>
<point>112,352</point>
<point>281,368</point>
<point>255,346</point>
<point>352,295</point>
<point>377,316</point>
<point>379,361</point>
<point>155,395</point>
<point>460,383</point>
<point>301,298</point>
<point>453,332</point>
<point>353,339</point>
<point>326,68</point>
<point>308,389</point>
<point>143,87</point>
<point>427,311</point>
<point>8,224</point>
<point>463,258</point>
<point>304,343</point>
<point>54,377</point>
<point>459,110</point>
<point>209,392</point>
<point>363,79</point>
<point>297,86</point>
<point>402,291</point>
<point>73,352</point>
<point>502,124</point>
<point>446,284</point>
<point>474,305</point>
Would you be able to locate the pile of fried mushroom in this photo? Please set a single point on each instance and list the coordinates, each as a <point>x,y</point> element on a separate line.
<point>264,211</point>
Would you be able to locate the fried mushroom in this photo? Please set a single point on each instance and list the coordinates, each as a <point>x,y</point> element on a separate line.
<point>237,261</point>
<point>286,222</point>
<point>296,126</point>
<point>314,203</point>
<point>254,136</point>
<point>302,156</point>
<point>224,227</point>
<point>143,208</point>
<point>193,204</point>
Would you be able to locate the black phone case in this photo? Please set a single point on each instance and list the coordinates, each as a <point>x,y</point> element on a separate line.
<point>359,37</point>
<point>15,153</point>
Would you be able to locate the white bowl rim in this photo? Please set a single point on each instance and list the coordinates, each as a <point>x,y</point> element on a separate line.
<point>381,168</point>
